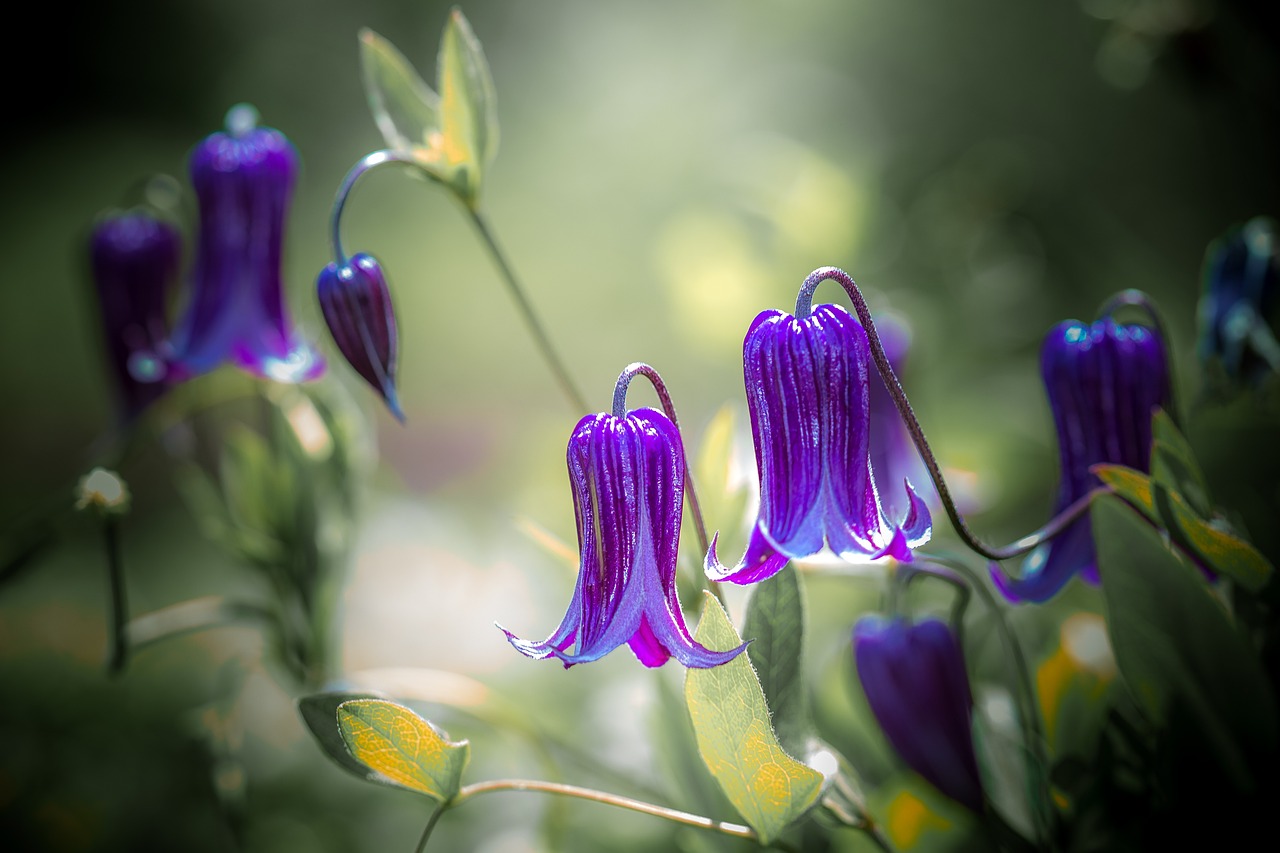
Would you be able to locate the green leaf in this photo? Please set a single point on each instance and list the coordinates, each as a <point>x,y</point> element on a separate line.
<point>468,107</point>
<point>402,747</point>
<point>1174,642</point>
<point>775,626</point>
<point>731,723</point>
<point>1221,550</point>
<point>404,108</point>
<point>1174,464</point>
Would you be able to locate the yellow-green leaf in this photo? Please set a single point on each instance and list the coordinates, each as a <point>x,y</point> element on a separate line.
<point>731,722</point>
<point>404,107</point>
<point>1174,464</point>
<point>468,107</point>
<point>402,747</point>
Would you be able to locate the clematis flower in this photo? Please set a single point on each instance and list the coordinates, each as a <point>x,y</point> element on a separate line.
<point>357,307</point>
<point>243,179</point>
<point>1242,275</point>
<point>807,392</point>
<point>134,258</point>
<point>915,681</point>
<point>627,473</point>
<point>1103,381</point>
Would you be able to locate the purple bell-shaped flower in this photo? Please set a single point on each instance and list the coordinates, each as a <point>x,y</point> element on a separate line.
<point>894,457</point>
<point>807,392</point>
<point>356,304</point>
<point>134,258</point>
<point>1239,299</point>
<point>915,681</point>
<point>243,180</point>
<point>1103,380</point>
<point>627,473</point>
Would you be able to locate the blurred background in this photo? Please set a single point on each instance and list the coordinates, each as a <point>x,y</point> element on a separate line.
<point>984,168</point>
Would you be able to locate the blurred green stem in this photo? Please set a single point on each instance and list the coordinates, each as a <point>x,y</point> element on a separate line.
<point>469,791</point>
<point>431,825</point>
<point>119,615</point>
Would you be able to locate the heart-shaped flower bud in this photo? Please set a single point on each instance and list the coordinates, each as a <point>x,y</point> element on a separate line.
<point>357,306</point>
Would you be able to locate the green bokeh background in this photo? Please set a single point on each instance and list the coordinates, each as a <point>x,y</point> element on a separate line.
<point>984,168</point>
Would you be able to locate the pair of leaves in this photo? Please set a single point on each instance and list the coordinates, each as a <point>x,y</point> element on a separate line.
<point>452,135</point>
<point>1174,643</point>
<point>386,743</point>
<point>1176,497</point>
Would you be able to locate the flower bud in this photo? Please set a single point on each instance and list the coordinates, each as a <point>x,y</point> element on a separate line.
<point>357,306</point>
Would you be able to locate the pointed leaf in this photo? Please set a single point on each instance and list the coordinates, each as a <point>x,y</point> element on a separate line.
<point>404,108</point>
<point>1220,550</point>
<point>403,747</point>
<point>1175,644</point>
<point>731,722</point>
<point>468,106</point>
<point>775,626</point>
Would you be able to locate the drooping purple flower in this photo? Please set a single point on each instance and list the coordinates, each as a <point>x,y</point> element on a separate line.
<point>134,258</point>
<point>243,180</point>
<point>357,306</point>
<point>915,681</point>
<point>627,474</point>
<point>1241,285</point>
<point>807,392</point>
<point>1103,381</point>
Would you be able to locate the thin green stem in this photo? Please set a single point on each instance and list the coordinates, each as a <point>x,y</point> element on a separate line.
<point>1029,713</point>
<point>639,368</point>
<point>733,829</point>
<point>1016,548</point>
<point>540,337</point>
<point>119,605</point>
<point>429,828</point>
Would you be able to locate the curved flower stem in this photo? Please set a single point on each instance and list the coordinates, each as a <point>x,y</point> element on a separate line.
<point>1029,713</point>
<point>1014,549</point>
<point>639,368</point>
<point>523,306</point>
<point>1139,299</point>
<point>119,604</point>
<point>733,829</point>
<point>908,572</point>
<point>431,825</point>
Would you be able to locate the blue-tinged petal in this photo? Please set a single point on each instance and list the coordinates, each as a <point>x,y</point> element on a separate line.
<point>760,561</point>
<point>1050,566</point>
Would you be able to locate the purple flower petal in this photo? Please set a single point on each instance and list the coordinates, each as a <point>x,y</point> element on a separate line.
<point>356,304</point>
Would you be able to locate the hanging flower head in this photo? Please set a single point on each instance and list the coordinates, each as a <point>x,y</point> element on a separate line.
<point>1103,381</point>
<point>357,307</point>
<point>915,681</point>
<point>1241,282</point>
<point>807,392</point>
<point>134,258</point>
<point>627,473</point>
<point>243,179</point>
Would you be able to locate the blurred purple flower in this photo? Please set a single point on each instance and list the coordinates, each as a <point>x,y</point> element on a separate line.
<point>627,475</point>
<point>808,396</point>
<point>1241,283</point>
<point>894,457</point>
<point>1104,381</point>
<point>915,682</point>
<point>134,258</point>
<point>243,179</point>
<point>357,306</point>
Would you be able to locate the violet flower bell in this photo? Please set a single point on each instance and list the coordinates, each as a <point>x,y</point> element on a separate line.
<point>356,304</point>
<point>894,457</point>
<point>134,259</point>
<point>1103,380</point>
<point>243,179</point>
<point>627,472</point>
<point>915,681</point>
<point>807,392</point>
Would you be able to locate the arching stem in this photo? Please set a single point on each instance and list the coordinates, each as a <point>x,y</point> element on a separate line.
<point>639,368</point>
<point>1016,548</point>
<point>523,306</point>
